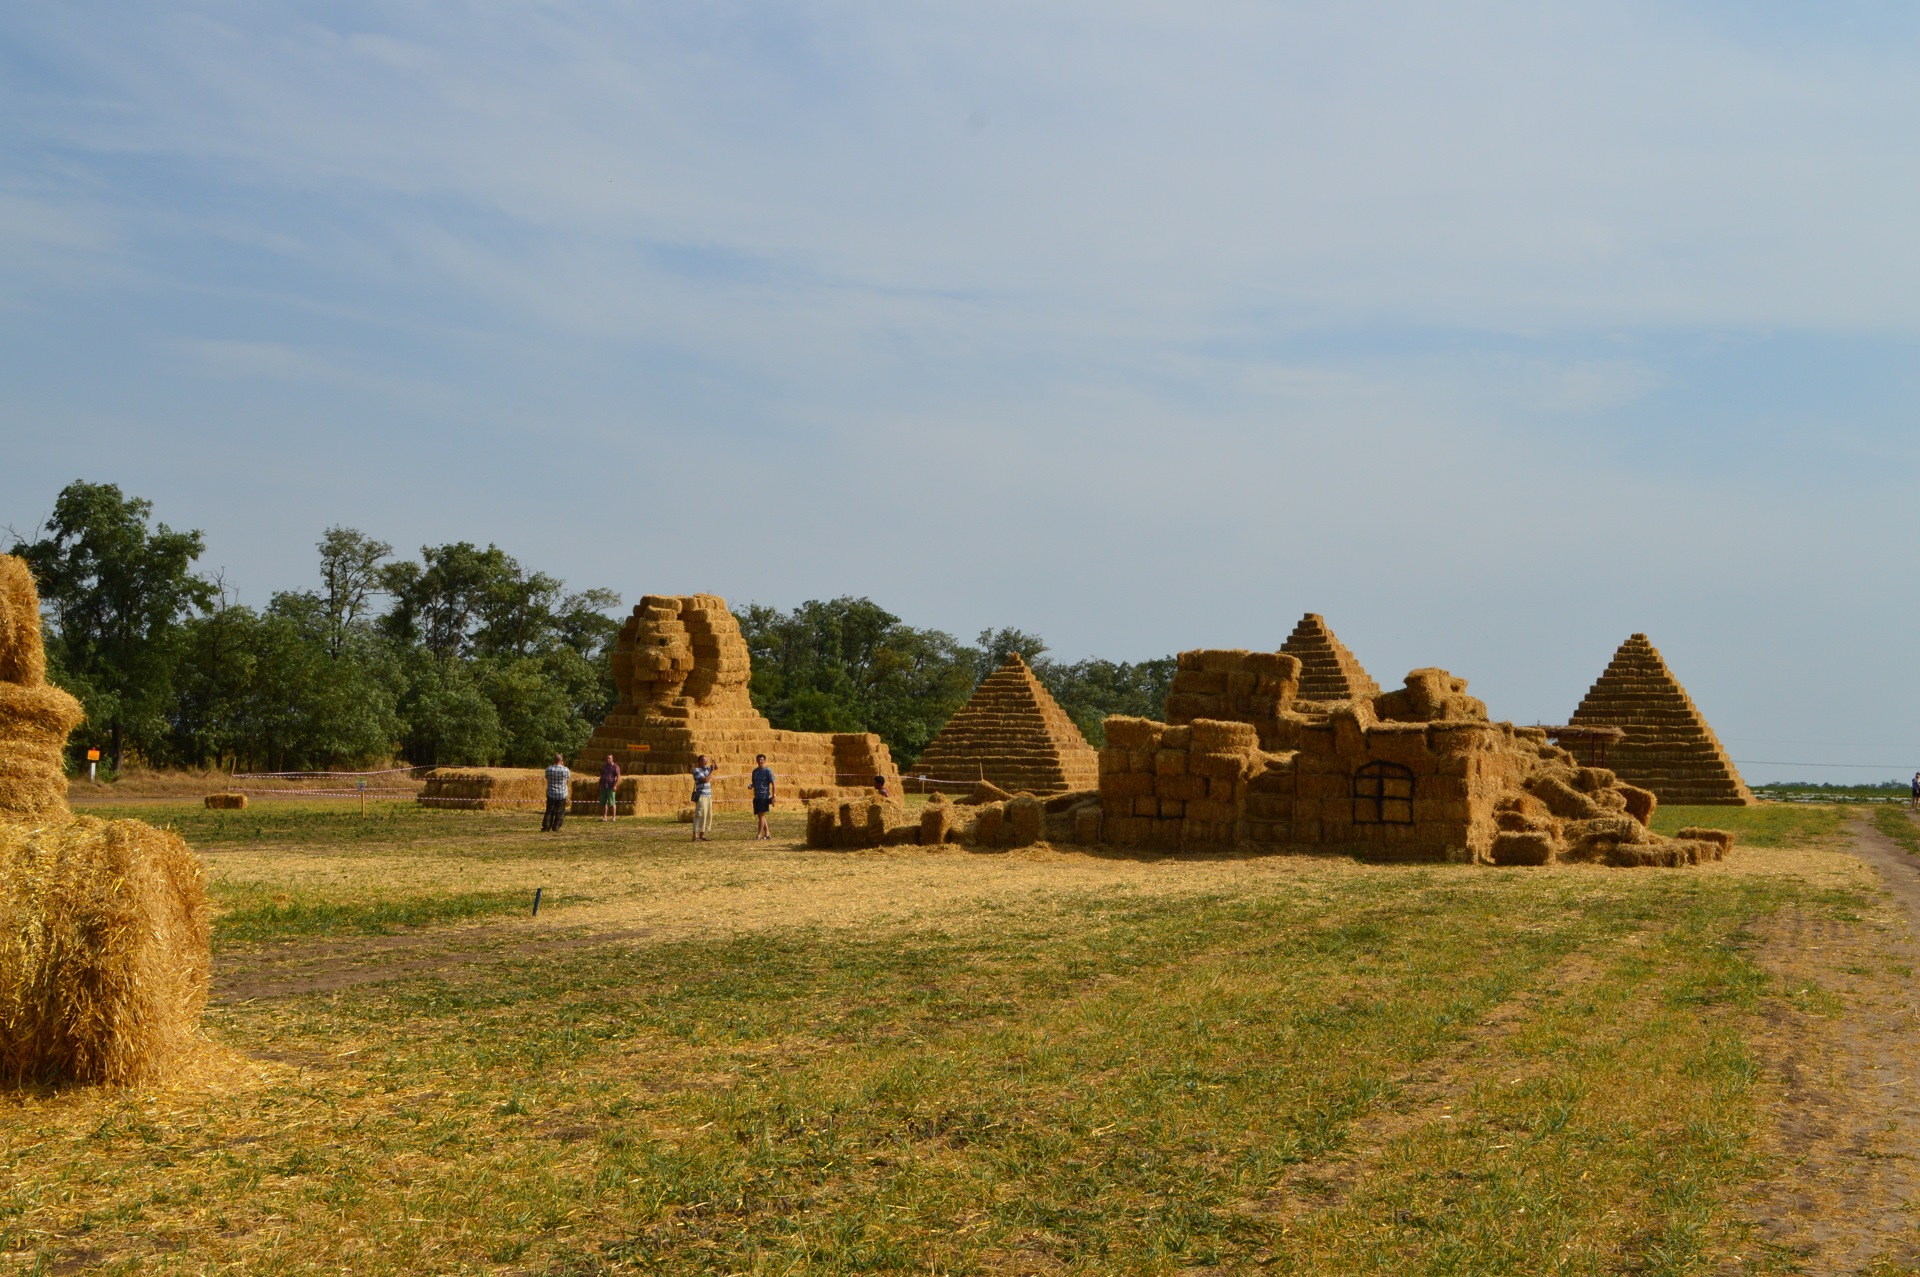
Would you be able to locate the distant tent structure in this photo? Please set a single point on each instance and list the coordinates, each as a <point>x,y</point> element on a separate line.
<point>1328,671</point>
<point>1668,746</point>
<point>1014,734</point>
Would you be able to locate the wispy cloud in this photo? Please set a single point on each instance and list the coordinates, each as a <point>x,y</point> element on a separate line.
<point>1483,326</point>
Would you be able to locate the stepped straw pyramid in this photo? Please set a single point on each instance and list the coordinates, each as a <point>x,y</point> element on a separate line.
<point>1668,747</point>
<point>1328,671</point>
<point>1013,733</point>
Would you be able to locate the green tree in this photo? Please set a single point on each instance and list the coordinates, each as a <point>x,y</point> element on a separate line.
<point>1090,690</point>
<point>350,574</point>
<point>116,591</point>
<point>268,690</point>
<point>448,719</point>
<point>535,652</point>
<point>849,665</point>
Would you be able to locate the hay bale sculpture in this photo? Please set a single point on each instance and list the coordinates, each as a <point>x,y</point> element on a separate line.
<point>103,923</point>
<point>1243,764</point>
<point>1668,747</point>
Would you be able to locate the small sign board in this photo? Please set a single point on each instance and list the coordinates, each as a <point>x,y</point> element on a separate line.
<point>639,749</point>
<point>93,755</point>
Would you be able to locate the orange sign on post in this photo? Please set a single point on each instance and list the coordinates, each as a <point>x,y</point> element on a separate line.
<point>93,755</point>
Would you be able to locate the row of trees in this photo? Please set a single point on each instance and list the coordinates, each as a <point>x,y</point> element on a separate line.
<point>849,665</point>
<point>459,656</point>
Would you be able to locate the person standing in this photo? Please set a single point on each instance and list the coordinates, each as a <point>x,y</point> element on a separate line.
<point>1916,789</point>
<point>559,787</point>
<point>703,773</point>
<point>609,788</point>
<point>762,795</point>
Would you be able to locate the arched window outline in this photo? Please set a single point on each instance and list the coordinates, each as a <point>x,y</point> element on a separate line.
<point>1383,795</point>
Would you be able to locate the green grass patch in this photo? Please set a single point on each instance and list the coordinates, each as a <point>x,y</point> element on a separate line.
<point>1895,823</point>
<point>1764,825</point>
<point>339,826</point>
<point>289,917</point>
<point>1406,1071</point>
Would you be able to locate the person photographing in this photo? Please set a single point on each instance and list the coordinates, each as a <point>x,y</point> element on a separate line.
<point>703,773</point>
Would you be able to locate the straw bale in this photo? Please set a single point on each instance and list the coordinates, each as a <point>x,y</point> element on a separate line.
<point>1141,760</point>
<point>1115,759</point>
<point>1126,732</point>
<point>1126,785</point>
<point>987,827</point>
<point>821,816</point>
<point>985,792</point>
<point>1172,807</point>
<point>1223,736</point>
<point>483,788</point>
<point>1640,802</point>
<point>226,802</point>
<point>1086,823</point>
<point>1147,806</point>
<point>34,723</point>
<point>1224,660</point>
<point>1182,787</point>
<point>103,951</point>
<point>1217,766</point>
<point>22,655</point>
<point>1170,762</point>
<point>1023,821</point>
<point>1177,737</point>
<point>1562,799</point>
<point>936,821</point>
<point>1522,847</point>
<point>1721,838</point>
<point>1073,798</point>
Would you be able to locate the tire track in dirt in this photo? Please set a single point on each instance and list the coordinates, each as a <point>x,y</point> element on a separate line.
<point>1842,1099</point>
<point>289,970</point>
<point>1441,1083</point>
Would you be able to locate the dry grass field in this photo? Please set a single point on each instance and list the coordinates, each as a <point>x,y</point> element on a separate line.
<point>742,1057</point>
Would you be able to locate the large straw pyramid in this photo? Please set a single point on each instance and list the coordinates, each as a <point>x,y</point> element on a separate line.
<point>1668,747</point>
<point>1014,734</point>
<point>1328,671</point>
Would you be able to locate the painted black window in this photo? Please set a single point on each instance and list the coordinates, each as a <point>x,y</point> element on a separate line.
<point>1383,795</point>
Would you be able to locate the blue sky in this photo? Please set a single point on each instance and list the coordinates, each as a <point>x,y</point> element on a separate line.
<point>1493,332</point>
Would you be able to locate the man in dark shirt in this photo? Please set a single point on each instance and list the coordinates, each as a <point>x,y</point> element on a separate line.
<point>762,794</point>
<point>609,788</point>
<point>559,784</point>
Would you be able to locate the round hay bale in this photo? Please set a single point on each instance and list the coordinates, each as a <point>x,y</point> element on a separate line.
<point>104,957</point>
<point>34,722</point>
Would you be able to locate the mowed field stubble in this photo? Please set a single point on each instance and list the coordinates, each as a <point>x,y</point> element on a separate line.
<point>754,1058</point>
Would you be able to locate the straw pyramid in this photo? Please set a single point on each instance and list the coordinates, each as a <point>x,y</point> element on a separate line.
<point>1014,734</point>
<point>1668,747</point>
<point>1328,671</point>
